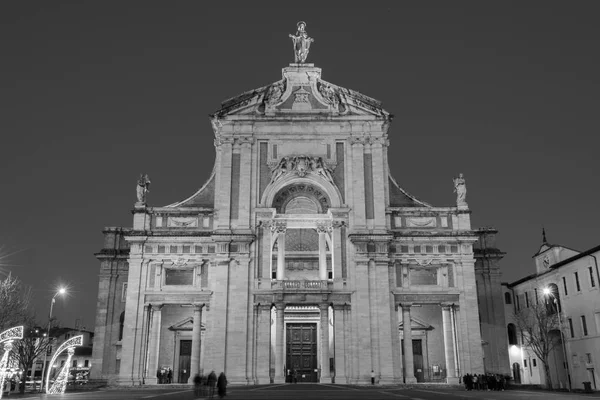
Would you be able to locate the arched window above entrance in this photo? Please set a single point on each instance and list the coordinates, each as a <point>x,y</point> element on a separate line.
<point>301,199</point>
<point>302,205</point>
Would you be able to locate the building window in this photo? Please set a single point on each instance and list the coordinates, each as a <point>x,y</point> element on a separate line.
<point>121,325</point>
<point>592,281</point>
<point>565,285</point>
<point>518,303</point>
<point>584,326</point>
<point>534,362</point>
<point>525,363</point>
<point>441,248</point>
<point>577,282</point>
<point>172,249</point>
<point>417,249</point>
<point>597,317</point>
<point>571,328</point>
<point>124,292</point>
<point>74,364</point>
<point>507,299</point>
<point>179,276</point>
<point>161,249</point>
<point>512,334</point>
<point>526,299</point>
<point>454,249</point>
<point>185,249</point>
<point>588,358</point>
<point>86,363</point>
<point>536,295</point>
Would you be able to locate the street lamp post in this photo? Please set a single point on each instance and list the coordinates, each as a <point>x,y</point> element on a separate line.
<point>548,292</point>
<point>60,291</point>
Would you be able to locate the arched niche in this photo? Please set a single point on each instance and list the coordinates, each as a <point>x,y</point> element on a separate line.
<point>312,192</point>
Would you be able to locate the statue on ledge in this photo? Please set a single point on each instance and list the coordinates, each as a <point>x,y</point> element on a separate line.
<point>142,188</point>
<point>301,43</point>
<point>460,188</point>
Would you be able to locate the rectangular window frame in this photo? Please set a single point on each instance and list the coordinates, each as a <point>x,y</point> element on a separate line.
<point>564,279</point>
<point>166,271</point>
<point>584,328</point>
<point>526,299</point>
<point>571,330</point>
<point>577,285</point>
<point>592,280</point>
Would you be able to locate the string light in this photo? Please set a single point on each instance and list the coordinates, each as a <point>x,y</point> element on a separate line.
<point>60,383</point>
<point>7,337</point>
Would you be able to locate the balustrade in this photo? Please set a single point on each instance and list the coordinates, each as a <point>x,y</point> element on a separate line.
<point>304,284</point>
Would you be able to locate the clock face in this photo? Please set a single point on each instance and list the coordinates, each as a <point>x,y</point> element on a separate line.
<point>546,261</point>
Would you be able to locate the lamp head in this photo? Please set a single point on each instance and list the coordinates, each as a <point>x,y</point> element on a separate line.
<point>62,291</point>
<point>546,291</point>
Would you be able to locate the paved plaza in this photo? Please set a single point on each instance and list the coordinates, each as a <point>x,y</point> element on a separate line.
<point>319,391</point>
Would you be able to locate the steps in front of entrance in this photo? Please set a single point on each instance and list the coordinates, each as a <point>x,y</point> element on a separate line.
<point>182,386</point>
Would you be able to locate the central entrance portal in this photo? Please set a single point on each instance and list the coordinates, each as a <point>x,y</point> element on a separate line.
<point>301,351</point>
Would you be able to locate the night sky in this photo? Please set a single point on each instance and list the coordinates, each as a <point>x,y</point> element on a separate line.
<point>92,93</point>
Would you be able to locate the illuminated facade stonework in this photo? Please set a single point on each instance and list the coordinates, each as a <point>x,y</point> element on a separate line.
<point>300,257</point>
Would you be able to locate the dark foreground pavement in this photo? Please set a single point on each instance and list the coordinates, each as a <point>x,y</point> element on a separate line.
<point>317,392</point>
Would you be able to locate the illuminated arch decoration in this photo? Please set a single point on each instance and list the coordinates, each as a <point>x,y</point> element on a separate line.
<point>7,337</point>
<point>60,383</point>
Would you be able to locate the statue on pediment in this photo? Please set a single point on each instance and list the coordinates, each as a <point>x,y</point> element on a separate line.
<point>329,94</point>
<point>460,188</point>
<point>301,43</point>
<point>274,94</point>
<point>142,188</point>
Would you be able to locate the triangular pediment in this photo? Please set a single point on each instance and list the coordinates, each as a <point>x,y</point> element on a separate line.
<point>301,91</point>
<point>185,325</point>
<point>416,324</point>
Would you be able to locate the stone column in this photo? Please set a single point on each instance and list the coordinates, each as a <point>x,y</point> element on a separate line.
<point>322,253</point>
<point>409,370</point>
<point>281,253</point>
<point>154,343</point>
<point>448,344</point>
<point>325,375</point>
<point>196,342</point>
<point>263,344</point>
<point>279,345</point>
<point>339,342</point>
<point>245,179</point>
<point>223,190</point>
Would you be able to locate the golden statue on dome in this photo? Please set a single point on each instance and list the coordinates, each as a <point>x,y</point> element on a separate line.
<point>301,43</point>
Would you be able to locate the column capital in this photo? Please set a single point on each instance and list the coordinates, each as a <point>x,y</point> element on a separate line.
<point>406,305</point>
<point>278,227</point>
<point>323,306</point>
<point>198,307</point>
<point>280,306</point>
<point>156,307</point>
<point>446,305</point>
<point>263,307</point>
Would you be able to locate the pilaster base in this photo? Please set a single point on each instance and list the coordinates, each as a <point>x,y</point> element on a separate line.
<point>389,380</point>
<point>129,382</point>
<point>279,379</point>
<point>263,380</point>
<point>410,379</point>
<point>325,379</point>
<point>453,381</point>
<point>153,381</point>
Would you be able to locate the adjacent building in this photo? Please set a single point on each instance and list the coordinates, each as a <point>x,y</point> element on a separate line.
<point>568,279</point>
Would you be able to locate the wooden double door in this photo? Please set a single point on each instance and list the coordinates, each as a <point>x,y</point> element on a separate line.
<point>301,352</point>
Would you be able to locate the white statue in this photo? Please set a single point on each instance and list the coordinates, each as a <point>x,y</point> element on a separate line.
<point>301,43</point>
<point>460,188</point>
<point>142,188</point>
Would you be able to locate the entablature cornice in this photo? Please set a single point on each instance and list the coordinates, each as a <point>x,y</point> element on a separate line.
<point>272,297</point>
<point>140,236</point>
<point>181,210</point>
<point>425,298</point>
<point>366,237</point>
<point>186,298</point>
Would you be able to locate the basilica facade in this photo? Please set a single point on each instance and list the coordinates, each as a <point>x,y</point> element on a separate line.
<point>300,258</point>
